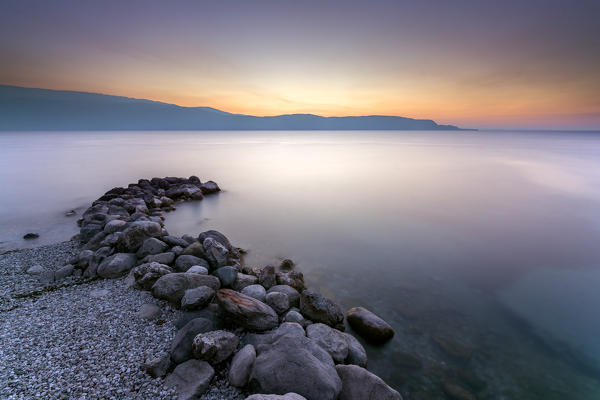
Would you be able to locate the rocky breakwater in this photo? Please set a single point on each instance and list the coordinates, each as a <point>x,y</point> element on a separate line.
<point>258,326</point>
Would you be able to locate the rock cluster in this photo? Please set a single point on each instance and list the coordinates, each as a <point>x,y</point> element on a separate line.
<point>284,341</point>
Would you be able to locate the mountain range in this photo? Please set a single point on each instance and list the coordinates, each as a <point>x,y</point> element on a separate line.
<point>43,109</point>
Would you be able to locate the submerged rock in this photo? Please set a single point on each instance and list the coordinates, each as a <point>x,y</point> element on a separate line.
<point>457,392</point>
<point>369,325</point>
<point>453,348</point>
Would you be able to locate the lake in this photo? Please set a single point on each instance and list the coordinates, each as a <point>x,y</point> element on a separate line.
<point>479,242</point>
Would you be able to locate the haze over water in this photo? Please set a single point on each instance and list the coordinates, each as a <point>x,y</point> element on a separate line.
<point>489,239</point>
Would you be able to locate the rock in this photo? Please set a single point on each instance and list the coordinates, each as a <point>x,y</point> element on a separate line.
<point>278,301</point>
<point>267,277</point>
<point>369,326</point>
<point>166,258</point>
<point>189,239</point>
<point>292,293</point>
<point>360,384</point>
<point>216,235</point>
<point>172,287</point>
<point>294,316</point>
<point>256,291</point>
<point>241,366</point>
<point>320,309</point>
<point>185,262</point>
<point>196,298</point>
<point>294,279</point>
<point>287,396</point>
<point>70,213</point>
<point>209,187</point>
<point>152,246</point>
<point>47,276</point>
<point>407,360</point>
<point>84,258</point>
<point>226,275</point>
<point>31,235</point>
<point>453,348</point>
<point>195,249</point>
<point>174,241</point>
<point>135,234</point>
<point>87,232</point>
<point>242,281</point>
<point>331,340</point>
<point>181,347</point>
<point>197,269</point>
<point>35,270</point>
<point>63,272</point>
<point>210,312</point>
<point>216,253</point>
<point>149,311</point>
<point>146,275</point>
<point>357,354</point>
<point>457,392</point>
<point>116,225</point>
<point>286,264</point>
<point>286,328</point>
<point>246,311</point>
<point>214,347</point>
<point>98,293</point>
<point>307,369</point>
<point>190,379</point>
<point>116,265</point>
<point>159,366</point>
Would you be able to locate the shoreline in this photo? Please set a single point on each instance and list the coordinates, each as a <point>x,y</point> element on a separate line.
<point>119,222</point>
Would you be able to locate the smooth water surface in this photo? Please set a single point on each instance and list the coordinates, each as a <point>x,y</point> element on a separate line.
<point>490,240</point>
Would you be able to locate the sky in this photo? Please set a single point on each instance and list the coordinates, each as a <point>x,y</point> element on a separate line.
<point>473,63</point>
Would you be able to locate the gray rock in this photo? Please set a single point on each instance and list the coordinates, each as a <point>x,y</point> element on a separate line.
<point>152,246</point>
<point>89,231</point>
<point>185,262</point>
<point>357,354</point>
<point>331,340</point>
<point>159,366</point>
<point>294,279</point>
<point>216,235</point>
<point>84,258</point>
<point>243,281</point>
<point>35,270</point>
<point>286,328</point>
<point>189,239</point>
<point>287,396</point>
<point>267,277</point>
<point>320,309</point>
<point>172,287</point>
<point>197,298</point>
<point>146,275</point>
<point>149,311</point>
<point>46,276</point>
<point>135,234</point>
<point>278,301</point>
<point>63,272</point>
<point>360,384</point>
<point>181,347</point>
<point>174,241</point>
<point>190,379</point>
<point>116,225</point>
<point>166,258</point>
<point>209,187</point>
<point>369,326</point>
<point>226,275</point>
<point>116,265</point>
<point>308,370</point>
<point>256,291</point>
<point>215,346</point>
<point>197,269</point>
<point>176,250</point>
<point>292,293</point>
<point>194,249</point>
<point>246,311</point>
<point>294,316</point>
<point>216,253</point>
<point>241,366</point>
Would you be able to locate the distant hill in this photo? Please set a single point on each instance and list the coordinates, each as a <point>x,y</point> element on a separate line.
<point>42,109</point>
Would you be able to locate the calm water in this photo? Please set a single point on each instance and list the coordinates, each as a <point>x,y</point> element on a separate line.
<point>487,239</point>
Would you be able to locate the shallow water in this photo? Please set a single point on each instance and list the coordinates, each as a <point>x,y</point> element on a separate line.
<point>487,239</point>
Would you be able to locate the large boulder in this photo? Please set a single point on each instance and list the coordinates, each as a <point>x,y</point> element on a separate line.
<point>197,298</point>
<point>331,340</point>
<point>190,379</point>
<point>357,354</point>
<point>369,326</point>
<point>295,364</point>
<point>116,265</point>
<point>134,235</point>
<point>215,346</point>
<point>182,345</point>
<point>186,261</point>
<point>360,384</point>
<point>247,311</point>
<point>151,246</point>
<point>241,366</point>
<point>278,301</point>
<point>318,308</point>
<point>209,187</point>
<point>172,287</point>
<point>146,275</point>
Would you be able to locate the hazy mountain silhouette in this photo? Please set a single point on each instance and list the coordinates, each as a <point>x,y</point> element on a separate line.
<point>42,109</point>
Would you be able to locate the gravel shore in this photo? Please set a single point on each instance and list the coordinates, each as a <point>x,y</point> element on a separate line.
<point>79,340</point>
